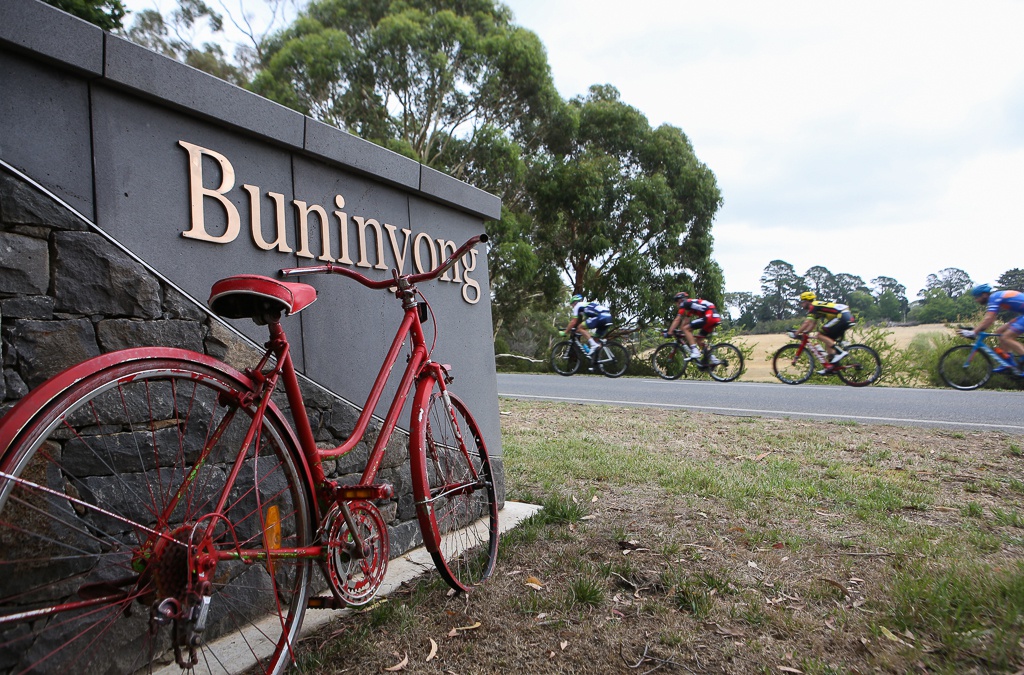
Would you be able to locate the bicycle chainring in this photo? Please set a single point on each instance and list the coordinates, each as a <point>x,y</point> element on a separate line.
<point>356,564</point>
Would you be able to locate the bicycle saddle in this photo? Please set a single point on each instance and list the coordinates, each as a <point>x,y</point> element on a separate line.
<point>250,296</point>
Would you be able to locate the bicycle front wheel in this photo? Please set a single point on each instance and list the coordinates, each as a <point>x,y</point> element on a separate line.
<point>108,508</point>
<point>731,362</point>
<point>860,367</point>
<point>964,368</point>
<point>669,361</point>
<point>613,359</point>
<point>454,487</point>
<point>565,358</point>
<point>791,365</point>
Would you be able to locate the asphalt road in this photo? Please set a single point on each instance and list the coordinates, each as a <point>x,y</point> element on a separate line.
<point>969,410</point>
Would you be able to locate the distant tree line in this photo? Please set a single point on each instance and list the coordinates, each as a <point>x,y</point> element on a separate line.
<point>945,296</point>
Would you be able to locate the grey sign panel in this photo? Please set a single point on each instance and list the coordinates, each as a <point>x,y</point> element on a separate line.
<point>143,194</point>
<point>44,128</point>
<point>51,35</point>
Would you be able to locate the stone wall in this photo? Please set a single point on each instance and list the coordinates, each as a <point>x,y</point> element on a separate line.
<point>68,293</point>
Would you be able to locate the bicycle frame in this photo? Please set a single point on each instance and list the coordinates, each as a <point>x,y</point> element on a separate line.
<point>982,346</point>
<point>418,367</point>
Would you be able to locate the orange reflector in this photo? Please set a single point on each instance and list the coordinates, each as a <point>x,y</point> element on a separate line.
<point>272,534</point>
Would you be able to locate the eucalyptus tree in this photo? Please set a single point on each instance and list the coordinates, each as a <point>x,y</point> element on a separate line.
<point>952,280</point>
<point>431,79</point>
<point>781,287</point>
<point>1012,279</point>
<point>624,210</point>
<point>107,14</point>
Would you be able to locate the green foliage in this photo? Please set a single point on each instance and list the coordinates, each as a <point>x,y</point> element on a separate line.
<point>1011,279</point>
<point>172,37</point>
<point>899,368</point>
<point>107,14</point>
<point>624,211</point>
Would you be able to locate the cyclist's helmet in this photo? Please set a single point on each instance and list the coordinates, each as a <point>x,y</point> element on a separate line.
<point>980,290</point>
<point>576,298</point>
<point>807,296</point>
<point>681,295</point>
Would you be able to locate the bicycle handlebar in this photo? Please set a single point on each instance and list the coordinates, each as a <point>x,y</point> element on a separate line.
<point>331,268</point>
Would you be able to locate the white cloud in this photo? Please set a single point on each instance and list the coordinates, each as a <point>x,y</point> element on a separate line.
<point>872,138</point>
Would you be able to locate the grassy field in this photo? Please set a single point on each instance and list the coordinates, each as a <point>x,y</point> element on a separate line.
<point>759,368</point>
<point>683,542</point>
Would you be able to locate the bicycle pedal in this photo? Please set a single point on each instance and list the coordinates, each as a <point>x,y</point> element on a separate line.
<point>370,492</point>
<point>325,602</point>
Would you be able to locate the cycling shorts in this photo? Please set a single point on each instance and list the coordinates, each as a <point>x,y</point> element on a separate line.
<point>836,328</point>
<point>600,325</point>
<point>705,324</point>
<point>1017,325</point>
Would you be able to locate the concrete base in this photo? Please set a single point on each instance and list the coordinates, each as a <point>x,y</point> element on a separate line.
<point>236,650</point>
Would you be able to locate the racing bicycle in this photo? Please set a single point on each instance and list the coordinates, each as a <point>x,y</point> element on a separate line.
<point>967,367</point>
<point>722,361</point>
<point>160,512</point>
<point>610,358</point>
<point>796,362</point>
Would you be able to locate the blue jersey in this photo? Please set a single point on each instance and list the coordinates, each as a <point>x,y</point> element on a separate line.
<point>1006,301</point>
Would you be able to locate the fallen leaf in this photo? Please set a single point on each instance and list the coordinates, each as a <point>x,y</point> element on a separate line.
<point>400,665</point>
<point>761,456</point>
<point>563,644</point>
<point>551,655</point>
<point>737,528</point>
<point>588,517</point>
<point>890,635</point>
<point>536,587</point>
<point>594,498</point>
<point>473,627</point>
<point>534,583</point>
<point>752,564</point>
<point>433,650</point>
<point>541,615</point>
<point>787,669</point>
<point>836,585</point>
<point>778,545</point>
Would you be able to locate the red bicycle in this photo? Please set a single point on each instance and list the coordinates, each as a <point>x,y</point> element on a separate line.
<point>159,512</point>
<point>796,362</point>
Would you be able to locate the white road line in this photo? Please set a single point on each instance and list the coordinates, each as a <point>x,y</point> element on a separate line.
<point>763,412</point>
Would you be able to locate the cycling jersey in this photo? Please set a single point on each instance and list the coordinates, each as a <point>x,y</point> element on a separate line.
<point>594,315</point>
<point>698,307</point>
<point>707,316</point>
<point>837,317</point>
<point>830,310</point>
<point>1006,301</point>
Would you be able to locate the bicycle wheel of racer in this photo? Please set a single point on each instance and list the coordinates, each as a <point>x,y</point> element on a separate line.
<point>669,361</point>
<point>454,488</point>
<point>789,367</point>
<point>565,358</point>
<point>613,359</point>
<point>961,369</point>
<point>106,497</point>
<point>860,367</point>
<point>731,362</point>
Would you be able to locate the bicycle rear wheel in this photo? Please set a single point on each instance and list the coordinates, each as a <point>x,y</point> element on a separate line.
<point>790,367</point>
<point>860,367</point>
<point>731,362</point>
<point>961,367</point>
<point>669,361</point>
<point>565,358</point>
<point>613,359</point>
<point>454,488</point>
<point>106,503</point>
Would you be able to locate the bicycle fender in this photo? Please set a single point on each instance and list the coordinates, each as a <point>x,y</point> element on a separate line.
<point>13,424</point>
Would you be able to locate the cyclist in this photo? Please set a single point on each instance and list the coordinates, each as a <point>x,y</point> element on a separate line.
<point>1001,301</point>
<point>837,318</point>
<point>589,315</point>
<point>695,316</point>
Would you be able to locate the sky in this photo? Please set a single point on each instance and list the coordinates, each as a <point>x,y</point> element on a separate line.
<point>872,138</point>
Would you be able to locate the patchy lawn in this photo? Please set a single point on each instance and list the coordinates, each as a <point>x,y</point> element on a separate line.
<point>683,542</point>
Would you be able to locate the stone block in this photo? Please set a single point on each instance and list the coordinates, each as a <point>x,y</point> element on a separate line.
<point>94,277</point>
<point>363,156</point>
<point>38,28</point>
<point>44,348</point>
<point>462,196</point>
<point>24,264</point>
<point>117,334</point>
<point>39,307</point>
<point>21,205</point>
